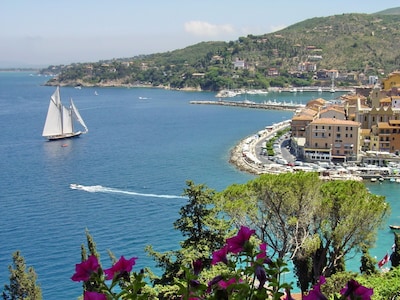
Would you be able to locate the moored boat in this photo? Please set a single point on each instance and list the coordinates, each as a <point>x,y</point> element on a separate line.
<point>394,227</point>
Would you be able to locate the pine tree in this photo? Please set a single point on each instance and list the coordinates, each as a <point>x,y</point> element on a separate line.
<point>204,232</point>
<point>368,263</point>
<point>395,257</point>
<point>22,283</point>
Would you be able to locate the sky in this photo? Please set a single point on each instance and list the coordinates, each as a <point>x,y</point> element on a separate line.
<point>53,32</point>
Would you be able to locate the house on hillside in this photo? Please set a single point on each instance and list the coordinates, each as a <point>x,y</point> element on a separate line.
<point>392,81</point>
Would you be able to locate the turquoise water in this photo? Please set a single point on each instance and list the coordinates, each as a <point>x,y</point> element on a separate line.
<point>133,164</point>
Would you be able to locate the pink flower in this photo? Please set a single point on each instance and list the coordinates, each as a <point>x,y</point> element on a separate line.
<point>121,266</point>
<point>355,289</point>
<point>263,254</point>
<point>220,256</point>
<point>315,293</point>
<point>85,269</point>
<point>224,284</point>
<point>93,296</point>
<point>236,243</point>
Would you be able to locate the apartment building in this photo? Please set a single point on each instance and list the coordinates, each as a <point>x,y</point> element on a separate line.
<point>330,139</point>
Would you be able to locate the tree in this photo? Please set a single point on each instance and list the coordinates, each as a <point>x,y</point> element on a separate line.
<point>281,207</point>
<point>349,219</point>
<point>22,283</point>
<point>204,230</point>
<point>395,257</point>
<point>368,263</point>
<point>317,223</point>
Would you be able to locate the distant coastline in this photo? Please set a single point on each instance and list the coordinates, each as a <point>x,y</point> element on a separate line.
<point>19,70</point>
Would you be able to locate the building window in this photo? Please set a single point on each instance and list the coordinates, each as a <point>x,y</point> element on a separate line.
<point>338,135</point>
<point>338,129</point>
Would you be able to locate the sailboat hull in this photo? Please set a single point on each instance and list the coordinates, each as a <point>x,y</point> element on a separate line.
<point>64,136</point>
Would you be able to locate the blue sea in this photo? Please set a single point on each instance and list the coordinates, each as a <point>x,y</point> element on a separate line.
<point>142,146</point>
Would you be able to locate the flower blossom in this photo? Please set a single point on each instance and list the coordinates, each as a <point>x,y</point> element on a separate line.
<point>236,243</point>
<point>93,296</point>
<point>355,289</point>
<point>213,281</point>
<point>261,276</point>
<point>225,284</point>
<point>197,266</point>
<point>315,293</point>
<point>84,270</point>
<point>120,267</point>
<point>220,256</point>
<point>263,254</point>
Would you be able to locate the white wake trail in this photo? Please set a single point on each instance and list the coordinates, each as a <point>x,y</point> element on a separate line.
<point>104,189</point>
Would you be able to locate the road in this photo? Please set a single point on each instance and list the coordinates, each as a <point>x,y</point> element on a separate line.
<point>284,142</point>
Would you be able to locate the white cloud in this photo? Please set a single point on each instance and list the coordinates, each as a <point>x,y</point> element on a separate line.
<point>205,29</point>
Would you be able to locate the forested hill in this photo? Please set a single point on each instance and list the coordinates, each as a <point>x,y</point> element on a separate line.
<point>349,43</point>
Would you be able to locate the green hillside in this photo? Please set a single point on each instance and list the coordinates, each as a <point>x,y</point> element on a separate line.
<point>350,43</point>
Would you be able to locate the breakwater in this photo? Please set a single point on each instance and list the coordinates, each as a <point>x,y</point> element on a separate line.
<point>248,104</point>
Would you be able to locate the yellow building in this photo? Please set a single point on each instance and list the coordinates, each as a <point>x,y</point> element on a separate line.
<point>392,81</point>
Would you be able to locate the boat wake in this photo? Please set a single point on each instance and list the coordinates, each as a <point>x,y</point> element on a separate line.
<point>104,189</point>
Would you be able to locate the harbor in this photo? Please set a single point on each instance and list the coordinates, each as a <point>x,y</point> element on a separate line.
<point>250,104</point>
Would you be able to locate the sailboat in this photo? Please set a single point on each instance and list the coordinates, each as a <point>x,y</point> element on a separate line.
<point>332,90</point>
<point>60,119</point>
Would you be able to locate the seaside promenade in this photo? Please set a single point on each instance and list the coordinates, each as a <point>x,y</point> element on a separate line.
<point>247,156</point>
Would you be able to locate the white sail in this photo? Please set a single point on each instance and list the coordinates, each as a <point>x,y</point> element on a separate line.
<point>78,116</point>
<point>53,124</point>
<point>59,121</point>
<point>67,121</point>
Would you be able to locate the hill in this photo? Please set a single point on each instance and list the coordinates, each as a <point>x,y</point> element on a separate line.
<point>301,54</point>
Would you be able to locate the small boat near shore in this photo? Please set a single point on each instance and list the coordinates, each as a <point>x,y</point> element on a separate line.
<point>395,227</point>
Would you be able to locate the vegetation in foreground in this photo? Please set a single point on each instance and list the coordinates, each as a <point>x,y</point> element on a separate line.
<point>316,224</point>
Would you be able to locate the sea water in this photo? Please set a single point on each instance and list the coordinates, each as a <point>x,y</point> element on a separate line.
<point>132,166</point>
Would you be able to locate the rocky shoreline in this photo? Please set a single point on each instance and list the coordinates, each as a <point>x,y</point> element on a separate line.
<point>117,83</point>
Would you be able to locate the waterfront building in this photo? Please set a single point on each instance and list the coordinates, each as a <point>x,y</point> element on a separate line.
<point>330,139</point>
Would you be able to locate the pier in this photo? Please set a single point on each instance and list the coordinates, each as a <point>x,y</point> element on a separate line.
<point>248,104</point>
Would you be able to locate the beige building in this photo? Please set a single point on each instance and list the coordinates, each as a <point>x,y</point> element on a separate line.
<point>330,139</point>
